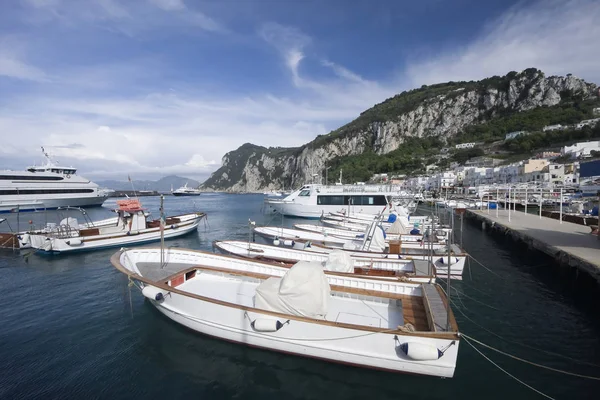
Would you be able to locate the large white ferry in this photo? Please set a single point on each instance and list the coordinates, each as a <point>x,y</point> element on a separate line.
<point>313,201</point>
<point>47,187</point>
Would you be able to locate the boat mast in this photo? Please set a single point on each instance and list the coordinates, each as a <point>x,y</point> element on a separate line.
<point>162,231</point>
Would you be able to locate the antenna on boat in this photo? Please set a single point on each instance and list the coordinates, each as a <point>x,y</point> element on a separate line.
<point>162,231</point>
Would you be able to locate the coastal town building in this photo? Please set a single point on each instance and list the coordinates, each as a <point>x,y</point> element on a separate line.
<point>557,127</point>
<point>547,154</point>
<point>587,122</point>
<point>465,145</point>
<point>512,135</point>
<point>581,150</point>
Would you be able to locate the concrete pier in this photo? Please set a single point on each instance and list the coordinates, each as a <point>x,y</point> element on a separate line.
<point>570,244</point>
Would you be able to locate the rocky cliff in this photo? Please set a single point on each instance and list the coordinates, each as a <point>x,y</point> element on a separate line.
<point>442,110</point>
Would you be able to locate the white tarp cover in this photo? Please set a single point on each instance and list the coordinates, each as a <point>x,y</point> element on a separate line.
<point>303,290</point>
<point>339,261</point>
<point>377,244</point>
<point>397,228</point>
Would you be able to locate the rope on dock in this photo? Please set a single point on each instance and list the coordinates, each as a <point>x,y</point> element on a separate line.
<point>560,371</point>
<point>506,372</point>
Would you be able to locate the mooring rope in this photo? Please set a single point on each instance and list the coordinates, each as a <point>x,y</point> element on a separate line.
<point>506,372</point>
<point>560,371</point>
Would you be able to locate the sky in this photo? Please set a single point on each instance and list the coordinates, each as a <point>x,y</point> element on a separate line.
<point>148,88</point>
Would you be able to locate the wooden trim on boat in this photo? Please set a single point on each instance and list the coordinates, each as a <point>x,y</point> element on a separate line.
<point>116,262</point>
<point>444,298</point>
<point>151,230</point>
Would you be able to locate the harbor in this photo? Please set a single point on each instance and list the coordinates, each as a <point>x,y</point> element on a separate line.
<point>511,299</point>
<point>572,245</point>
<point>299,200</point>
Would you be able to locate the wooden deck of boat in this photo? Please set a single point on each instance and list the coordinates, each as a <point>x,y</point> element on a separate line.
<point>439,313</point>
<point>156,273</point>
<point>422,268</point>
<point>571,244</point>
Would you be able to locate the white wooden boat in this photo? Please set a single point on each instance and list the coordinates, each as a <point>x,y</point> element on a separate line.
<point>131,227</point>
<point>355,235</point>
<point>371,241</point>
<point>371,323</point>
<point>361,262</point>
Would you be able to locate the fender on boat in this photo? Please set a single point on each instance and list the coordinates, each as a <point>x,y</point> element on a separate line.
<point>74,242</point>
<point>266,325</point>
<point>420,352</point>
<point>47,245</point>
<point>153,293</point>
<point>24,239</point>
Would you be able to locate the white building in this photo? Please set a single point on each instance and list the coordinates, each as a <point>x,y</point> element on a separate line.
<point>587,122</point>
<point>515,134</point>
<point>557,127</point>
<point>446,180</point>
<point>465,145</point>
<point>581,150</point>
<point>557,174</point>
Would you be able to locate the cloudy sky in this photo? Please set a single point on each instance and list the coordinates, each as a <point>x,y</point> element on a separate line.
<point>154,87</point>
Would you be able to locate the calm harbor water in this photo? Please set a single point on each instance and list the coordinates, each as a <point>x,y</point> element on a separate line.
<point>69,328</point>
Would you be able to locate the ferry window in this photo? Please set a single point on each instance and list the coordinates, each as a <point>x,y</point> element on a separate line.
<point>304,193</point>
<point>330,200</point>
<point>368,200</point>
<point>42,191</point>
<point>29,178</point>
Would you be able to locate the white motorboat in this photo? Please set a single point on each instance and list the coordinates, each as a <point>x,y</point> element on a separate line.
<point>371,323</point>
<point>47,187</point>
<point>186,191</point>
<point>131,227</point>
<point>416,267</point>
<point>313,201</point>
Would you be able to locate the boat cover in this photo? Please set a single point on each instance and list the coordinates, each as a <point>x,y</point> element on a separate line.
<point>339,261</point>
<point>303,290</point>
<point>378,241</point>
<point>397,228</point>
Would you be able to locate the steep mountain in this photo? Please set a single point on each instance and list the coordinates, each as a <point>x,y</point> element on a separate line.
<point>442,113</point>
<point>162,185</point>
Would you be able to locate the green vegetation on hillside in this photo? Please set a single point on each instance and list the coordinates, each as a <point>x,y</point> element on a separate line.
<point>568,112</point>
<point>412,155</point>
<point>541,140</point>
<point>407,101</point>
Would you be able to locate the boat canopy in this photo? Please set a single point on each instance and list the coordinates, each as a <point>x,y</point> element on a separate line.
<point>303,290</point>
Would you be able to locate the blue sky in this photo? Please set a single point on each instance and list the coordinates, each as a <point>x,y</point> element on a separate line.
<point>153,87</point>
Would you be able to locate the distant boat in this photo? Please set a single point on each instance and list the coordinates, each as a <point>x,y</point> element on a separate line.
<point>186,191</point>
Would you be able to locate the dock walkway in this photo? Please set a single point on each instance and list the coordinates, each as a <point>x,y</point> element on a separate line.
<point>571,244</point>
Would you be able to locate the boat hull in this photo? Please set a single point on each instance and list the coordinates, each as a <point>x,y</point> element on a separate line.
<point>25,205</point>
<point>49,244</point>
<point>307,339</point>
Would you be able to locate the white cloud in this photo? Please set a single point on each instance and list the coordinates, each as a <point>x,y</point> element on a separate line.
<point>169,5</point>
<point>144,128</point>
<point>13,68</point>
<point>556,36</point>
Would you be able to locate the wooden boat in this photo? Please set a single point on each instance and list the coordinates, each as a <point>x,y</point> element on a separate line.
<point>371,323</point>
<point>370,241</point>
<point>354,235</point>
<point>363,262</point>
<point>130,228</point>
